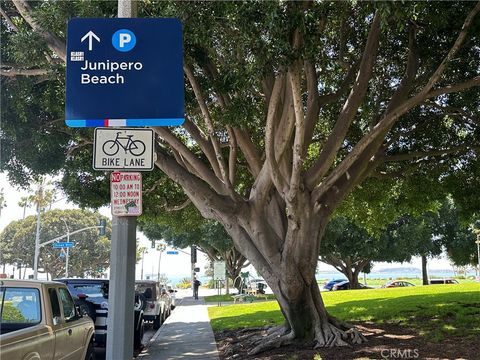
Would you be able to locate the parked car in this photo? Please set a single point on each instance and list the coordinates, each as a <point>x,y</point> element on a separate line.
<point>91,296</point>
<point>158,301</point>
<point>442,281</point>
<point>345,285</point>
<point>397,283</point>
<point>39,321</point>
<point>329,284</point>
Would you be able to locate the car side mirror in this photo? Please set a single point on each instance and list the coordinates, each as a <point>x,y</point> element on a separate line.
<point>56,320</point>
<point>79,313</point>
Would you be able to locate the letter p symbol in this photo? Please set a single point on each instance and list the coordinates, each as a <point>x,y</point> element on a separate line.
<point>124,40</point>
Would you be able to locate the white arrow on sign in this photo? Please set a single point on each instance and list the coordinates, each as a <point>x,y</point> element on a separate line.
<point>90,36</point>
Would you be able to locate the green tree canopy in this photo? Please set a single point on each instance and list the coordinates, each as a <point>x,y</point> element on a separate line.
<point>89,257</point>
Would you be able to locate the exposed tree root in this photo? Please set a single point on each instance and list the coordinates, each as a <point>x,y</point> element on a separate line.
<point>339,334</point>
<point>272,342</point>
<point>330,334</point>
<point>278,330</point>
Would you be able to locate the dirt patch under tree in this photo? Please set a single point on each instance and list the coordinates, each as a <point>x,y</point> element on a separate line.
<point>385,341</point>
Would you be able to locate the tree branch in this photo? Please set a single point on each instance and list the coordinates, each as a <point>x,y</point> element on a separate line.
<point>383,126</point>
<point>177,207</point>
<point>313,103</point>
<point>199,192</point>
<point>11,72</point>
<point>422,154</point>
<point>271,161</point>
<point>349,110</point>
<point>456,46</point>
<point>298,149</point>
<point>196,163</point>
<point>204,144</point>
<point>8,20</point>
<point>454,87</point>
<point>232,157</point>
<point>211,130</point>
<point>248,148</point>
<point>411,70</point>
<point>53,42</point>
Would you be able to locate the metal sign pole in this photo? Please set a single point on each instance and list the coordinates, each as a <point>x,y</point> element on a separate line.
<point>120,324</point>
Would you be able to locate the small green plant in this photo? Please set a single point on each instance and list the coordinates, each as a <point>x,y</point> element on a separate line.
<point>317,357</point>
<point>185,283</point>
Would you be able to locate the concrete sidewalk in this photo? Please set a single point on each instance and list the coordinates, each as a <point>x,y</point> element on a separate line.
<point>186,334</point>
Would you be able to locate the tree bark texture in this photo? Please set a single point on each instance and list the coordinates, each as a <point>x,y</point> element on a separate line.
<point>424,270</point>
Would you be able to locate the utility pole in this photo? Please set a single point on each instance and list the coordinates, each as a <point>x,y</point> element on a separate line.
<point>68,240</point>
<point>37,234</point>
<point>143,256</point>
<point>161,248</point>
<point>120,322</point>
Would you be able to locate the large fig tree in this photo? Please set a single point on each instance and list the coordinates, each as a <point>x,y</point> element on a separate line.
<point>290,107</point>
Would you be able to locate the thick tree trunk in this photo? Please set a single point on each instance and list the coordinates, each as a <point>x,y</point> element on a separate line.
<point>290,271</point>
<point>352,277</point>
<point>307,319</point>
<point>424,270</point>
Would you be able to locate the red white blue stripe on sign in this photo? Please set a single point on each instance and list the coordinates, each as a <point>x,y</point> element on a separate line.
<point>123,122</point>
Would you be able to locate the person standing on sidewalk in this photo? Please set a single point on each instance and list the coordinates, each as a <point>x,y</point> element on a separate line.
<point>196,285</point>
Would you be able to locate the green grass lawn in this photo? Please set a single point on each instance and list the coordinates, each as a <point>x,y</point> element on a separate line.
<point>436,311</point>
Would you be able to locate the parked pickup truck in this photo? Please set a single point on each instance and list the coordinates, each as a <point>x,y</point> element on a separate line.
<point>39,321</point>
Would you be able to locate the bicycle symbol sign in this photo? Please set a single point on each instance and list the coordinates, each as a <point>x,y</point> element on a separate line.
<point>135,147</point>
<point>123,149</point>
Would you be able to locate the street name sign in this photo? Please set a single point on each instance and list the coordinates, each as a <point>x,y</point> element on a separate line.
<point>123,149</point>
<point>61,245</point>
<point>126,193</point>
<point>219,270</point>
<point>124,72</point>
<point>172,252</point>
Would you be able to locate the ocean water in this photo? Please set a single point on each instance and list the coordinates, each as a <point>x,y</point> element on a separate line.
<point>389,275</point>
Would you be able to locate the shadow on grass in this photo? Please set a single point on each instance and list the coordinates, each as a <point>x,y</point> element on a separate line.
<point>434,316</point>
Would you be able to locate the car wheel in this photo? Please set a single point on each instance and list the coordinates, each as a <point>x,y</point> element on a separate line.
<point>90,352</point>
<point>140,302</point>
<point>157,322</point>
<point>138,336</point>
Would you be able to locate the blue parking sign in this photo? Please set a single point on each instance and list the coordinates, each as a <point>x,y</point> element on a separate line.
<point>124,72</point>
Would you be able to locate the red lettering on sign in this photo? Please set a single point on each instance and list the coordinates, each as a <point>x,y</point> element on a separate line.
<point>116,177</point>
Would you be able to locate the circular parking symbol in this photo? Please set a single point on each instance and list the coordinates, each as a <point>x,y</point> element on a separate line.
<point>124,40</point>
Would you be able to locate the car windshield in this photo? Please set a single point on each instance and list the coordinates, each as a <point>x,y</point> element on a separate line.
<point>91,290</point>
<point>148,290</point>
